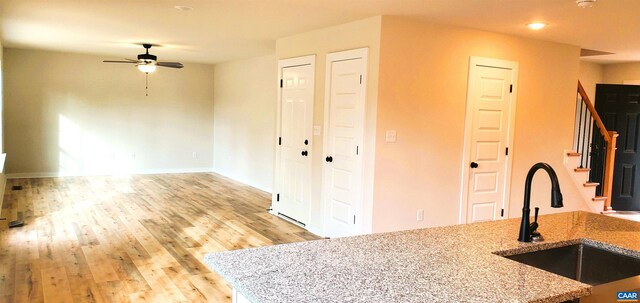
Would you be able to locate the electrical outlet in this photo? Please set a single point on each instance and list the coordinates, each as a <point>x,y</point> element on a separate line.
<point>195,155</point>
<point>390,136</point>
<point>420,215</point>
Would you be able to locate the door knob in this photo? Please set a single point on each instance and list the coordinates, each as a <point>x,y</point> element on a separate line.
<point>329,159</point>
<point>305,153</point>
<point>474,165</point>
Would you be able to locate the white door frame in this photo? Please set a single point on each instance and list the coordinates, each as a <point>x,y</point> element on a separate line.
<point>333,57</point>
<point>284,63</point>
<point>466,155</point>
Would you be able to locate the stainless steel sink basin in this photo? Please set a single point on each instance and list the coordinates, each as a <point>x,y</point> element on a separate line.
<point>582,262</point>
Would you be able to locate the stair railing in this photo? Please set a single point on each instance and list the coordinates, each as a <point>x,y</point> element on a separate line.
<point>598,150</point>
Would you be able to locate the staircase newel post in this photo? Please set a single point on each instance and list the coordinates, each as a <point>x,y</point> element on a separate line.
<point>608,173</point>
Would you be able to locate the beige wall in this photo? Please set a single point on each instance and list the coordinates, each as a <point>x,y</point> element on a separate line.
<point>72,114</point>
<point>244,120</point>
<point>422,95</point>
<point>590,75</point>
<point>1,100</point>
<point>2,156</point>
<point>622,73</point>
<point>359,34</point>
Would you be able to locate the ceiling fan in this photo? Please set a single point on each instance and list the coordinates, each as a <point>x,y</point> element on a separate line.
<point>146,62</point>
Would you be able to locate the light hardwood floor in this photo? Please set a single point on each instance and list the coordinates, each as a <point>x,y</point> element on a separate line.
<point>129,239</point>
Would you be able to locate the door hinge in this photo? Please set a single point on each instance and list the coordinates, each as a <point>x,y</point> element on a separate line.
<point>357,150</point>
<point>502,213</point>
<point>506,152</point>
<point>360,79</point>
<point>278,197</point>
<point>280,82</point>
<point>354,219</point>
<point>279,140</point>
<point>511,88</point>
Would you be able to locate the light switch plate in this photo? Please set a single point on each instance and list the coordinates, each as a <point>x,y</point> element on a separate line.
<point>390,136</point>
<point>316,130</point>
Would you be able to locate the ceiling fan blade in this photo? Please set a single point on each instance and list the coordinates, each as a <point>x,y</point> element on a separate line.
<point>114,61</point>
<point>170,64</point>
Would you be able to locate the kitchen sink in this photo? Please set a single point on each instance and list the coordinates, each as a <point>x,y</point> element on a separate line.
<point>582,262</point>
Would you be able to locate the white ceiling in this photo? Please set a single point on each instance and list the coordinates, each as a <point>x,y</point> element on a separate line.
<point>223,30</point>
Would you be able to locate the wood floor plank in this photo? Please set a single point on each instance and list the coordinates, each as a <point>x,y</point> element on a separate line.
<point>85,291</point>
<point>28,248</point>
<point>113,292</point>
<point>129,238</point>
<point>212,286</point>
<point>81,280</point>
<point>55,285</point>
<point>85,234</point>
<point>161,285</point>
<point>180,277</point>
<point>128,273</point>
<point>174,247</point>
<point>157,253</point>
<point>7,271</point>
<point>28,287</point>
<point>99,264</point>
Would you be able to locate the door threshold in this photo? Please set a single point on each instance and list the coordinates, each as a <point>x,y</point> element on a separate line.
<point>290,220</point>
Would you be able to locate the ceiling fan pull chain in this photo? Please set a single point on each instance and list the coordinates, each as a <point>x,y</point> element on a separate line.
<point>146,84</point>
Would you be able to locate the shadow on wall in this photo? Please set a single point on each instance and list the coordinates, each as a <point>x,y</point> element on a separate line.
<point>83,153</point>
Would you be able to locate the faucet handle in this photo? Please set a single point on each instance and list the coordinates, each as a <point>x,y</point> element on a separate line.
<point>535,234</point>
<point>534,226</point>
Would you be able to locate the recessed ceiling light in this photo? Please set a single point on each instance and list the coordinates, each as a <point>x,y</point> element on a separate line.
<point>536,25</point>
<point>183,8</point>
<point>585,3</point>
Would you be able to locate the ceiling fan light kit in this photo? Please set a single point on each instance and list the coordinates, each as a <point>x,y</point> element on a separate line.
<point>147,68</point>
<point>585,3</point>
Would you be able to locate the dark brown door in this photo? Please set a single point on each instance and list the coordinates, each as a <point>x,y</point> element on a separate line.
<point>619,108</point>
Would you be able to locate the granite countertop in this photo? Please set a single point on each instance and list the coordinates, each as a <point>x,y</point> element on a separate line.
<point>460,263</point>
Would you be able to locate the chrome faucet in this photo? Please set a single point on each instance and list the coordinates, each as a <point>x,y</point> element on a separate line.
<point>528,230</point>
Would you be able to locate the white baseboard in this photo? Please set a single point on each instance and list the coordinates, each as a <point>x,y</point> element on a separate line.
<point>134,172</point>
<point>250,183</point>
<point>3,179</point>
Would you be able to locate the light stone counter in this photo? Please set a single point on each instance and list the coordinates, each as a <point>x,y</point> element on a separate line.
<point>445,264</point>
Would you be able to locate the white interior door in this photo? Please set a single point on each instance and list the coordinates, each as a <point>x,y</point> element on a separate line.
<point>294,143</point>
<point>491,101</point>
<point>344,129</point>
